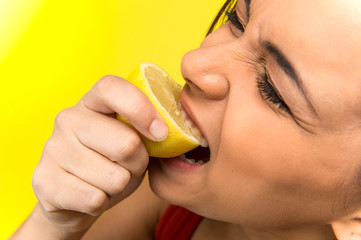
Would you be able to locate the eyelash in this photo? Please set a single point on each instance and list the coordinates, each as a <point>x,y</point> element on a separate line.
<point>233,19</point>
<point>268,92</point>
<point>266,89</point>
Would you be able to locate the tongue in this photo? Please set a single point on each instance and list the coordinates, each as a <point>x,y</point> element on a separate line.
<point>198,154</point>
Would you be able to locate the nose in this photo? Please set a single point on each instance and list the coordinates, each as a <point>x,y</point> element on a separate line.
<point>202,72</point>
<point>204,69</point>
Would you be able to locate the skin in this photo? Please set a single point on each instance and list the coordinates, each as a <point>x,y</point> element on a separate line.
<point>279,171</point>
<point>272,175</point>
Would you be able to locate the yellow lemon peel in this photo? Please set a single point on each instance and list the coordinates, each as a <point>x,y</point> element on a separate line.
<point>164,93</point>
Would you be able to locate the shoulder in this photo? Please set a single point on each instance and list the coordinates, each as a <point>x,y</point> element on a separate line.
<point>134,218</point>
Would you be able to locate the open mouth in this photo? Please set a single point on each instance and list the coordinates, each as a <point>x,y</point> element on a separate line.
<point>197,156</point>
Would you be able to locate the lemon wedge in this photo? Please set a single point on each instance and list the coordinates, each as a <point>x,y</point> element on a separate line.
<point>164,93</point>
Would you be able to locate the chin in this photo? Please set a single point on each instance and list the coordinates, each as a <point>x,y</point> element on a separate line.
<point>178,185</point>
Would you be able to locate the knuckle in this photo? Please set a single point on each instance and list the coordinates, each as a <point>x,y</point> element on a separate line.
<point>37,181</point>
<point>118,181</point>
<point>130,144</point>
<point>53,154</point>
<point>95,203</point>
<point>141,168</point>
<point>106,83</point>
<point>40,183</point>
<point>49,147</point>
<point>64,118</point>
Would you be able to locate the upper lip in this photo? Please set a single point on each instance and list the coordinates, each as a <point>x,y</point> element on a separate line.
<point>188,110</point>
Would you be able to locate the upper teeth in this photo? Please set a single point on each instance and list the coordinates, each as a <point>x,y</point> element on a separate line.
<point>194,130</point>
<point>197,134</point>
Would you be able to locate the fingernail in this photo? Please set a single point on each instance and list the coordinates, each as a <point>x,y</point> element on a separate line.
<point>158,129</point>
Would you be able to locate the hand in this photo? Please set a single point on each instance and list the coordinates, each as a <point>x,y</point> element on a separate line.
<point>92,160</point>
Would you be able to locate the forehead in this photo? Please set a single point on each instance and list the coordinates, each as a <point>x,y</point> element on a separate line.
<point>330,26</point>
<point>322,38</point>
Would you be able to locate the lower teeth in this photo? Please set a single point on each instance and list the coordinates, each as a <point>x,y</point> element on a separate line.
<point>191,161</point>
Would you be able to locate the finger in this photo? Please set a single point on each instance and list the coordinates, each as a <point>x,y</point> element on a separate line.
<point>113,94</point>
<point>64,191</point>
<point>109,137</point>
<point>130,188</point>
<point>98,171</point>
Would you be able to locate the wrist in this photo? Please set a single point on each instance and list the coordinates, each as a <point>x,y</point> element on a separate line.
<point>39,226</point>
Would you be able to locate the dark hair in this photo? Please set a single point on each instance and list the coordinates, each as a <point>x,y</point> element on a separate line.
<point>221,17</point>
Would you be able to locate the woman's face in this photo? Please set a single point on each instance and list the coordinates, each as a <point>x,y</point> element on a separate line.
<point>280,107</point>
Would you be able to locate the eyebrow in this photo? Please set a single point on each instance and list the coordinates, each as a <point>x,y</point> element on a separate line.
<point>287,67</point>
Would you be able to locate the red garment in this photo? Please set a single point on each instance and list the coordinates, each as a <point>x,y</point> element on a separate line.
<point>177,223</point>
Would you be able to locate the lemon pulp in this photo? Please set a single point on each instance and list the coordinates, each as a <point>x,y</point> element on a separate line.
<point>164,93</point>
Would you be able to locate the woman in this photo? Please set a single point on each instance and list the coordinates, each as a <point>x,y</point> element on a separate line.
<point>276,93</point>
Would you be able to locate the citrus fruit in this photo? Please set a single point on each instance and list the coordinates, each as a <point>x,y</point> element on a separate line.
<point>164,93</point>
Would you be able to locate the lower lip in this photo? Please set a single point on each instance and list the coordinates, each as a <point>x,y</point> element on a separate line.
<point>178,164</point>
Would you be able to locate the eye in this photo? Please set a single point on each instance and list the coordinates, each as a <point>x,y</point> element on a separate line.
<point>269,92</point>
<point>233,19</point>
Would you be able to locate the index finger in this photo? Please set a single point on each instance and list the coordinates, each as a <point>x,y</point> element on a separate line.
<point>112,94</point>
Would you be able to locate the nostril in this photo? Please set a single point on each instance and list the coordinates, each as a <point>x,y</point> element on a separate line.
<point>187,80</point>
<point>212,86</point>
<point>192,87</point>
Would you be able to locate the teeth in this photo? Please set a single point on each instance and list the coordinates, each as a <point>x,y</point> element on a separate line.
<point>191,161</point>
<point>197,134</point>
<point>194,130</point>
<point>183,113</point>
<point>203,142</point>
<point>188,122</point>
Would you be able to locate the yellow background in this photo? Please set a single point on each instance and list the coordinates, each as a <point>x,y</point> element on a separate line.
<point>52,52</point>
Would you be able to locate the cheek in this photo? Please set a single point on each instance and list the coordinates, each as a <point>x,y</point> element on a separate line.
<point>260,143</point>
<point>258,152</point>
<point>266,169</point>
<point>266,152</point>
